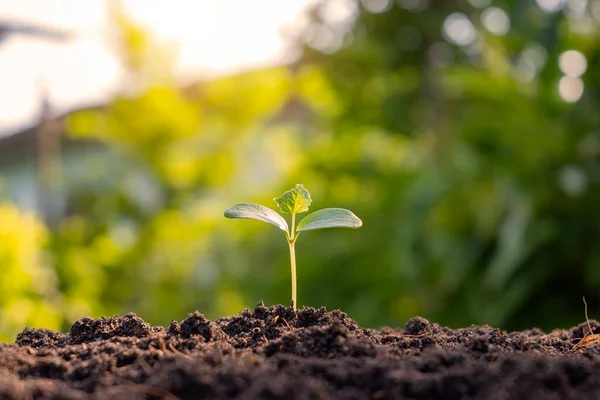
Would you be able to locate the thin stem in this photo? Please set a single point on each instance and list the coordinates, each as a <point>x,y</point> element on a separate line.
<point>292,242</point>
<point>293,263</point>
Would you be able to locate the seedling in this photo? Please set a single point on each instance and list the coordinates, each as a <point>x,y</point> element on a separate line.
<point>295,201</point>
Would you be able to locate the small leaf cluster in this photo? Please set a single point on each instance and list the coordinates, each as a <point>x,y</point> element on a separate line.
<point>295,201</point>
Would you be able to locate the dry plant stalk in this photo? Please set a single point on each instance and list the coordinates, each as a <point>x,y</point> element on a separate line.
<point>589,337</point>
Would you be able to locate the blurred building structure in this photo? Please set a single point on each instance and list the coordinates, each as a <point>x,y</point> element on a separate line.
<point>29,169</point>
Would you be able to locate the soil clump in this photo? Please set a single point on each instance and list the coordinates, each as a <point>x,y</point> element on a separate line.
<point>277,353</point>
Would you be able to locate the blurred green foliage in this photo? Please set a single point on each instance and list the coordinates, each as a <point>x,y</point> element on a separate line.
<point>482,181</point>
<point>28,289</point>
<point>476,182</point>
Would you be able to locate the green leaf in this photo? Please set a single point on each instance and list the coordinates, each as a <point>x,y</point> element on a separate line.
<point>257,212</point>
<point>329,218</point>
<point>294,201</point>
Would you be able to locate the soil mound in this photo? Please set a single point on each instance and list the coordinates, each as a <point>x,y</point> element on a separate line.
<point>277,353</point>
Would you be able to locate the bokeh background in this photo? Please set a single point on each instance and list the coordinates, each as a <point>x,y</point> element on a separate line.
<point>464,133</point>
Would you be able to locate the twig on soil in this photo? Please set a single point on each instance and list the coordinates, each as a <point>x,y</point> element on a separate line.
<point>144,364</point>
<point>393,337</point>
<point>270,324</point>
<point>286,323</point>
<point>161,344</point>
<point>174,350</point>
<point>417,336</point>
<point>589,337</point>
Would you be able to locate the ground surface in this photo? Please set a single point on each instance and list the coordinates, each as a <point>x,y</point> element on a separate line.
<point>275,353</point>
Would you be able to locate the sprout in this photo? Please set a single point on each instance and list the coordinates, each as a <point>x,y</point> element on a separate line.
<point>295,201</point>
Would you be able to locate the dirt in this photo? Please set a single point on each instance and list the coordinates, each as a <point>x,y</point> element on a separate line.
<point>276,353</point>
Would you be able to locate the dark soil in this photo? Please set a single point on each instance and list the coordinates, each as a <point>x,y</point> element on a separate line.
<point>276,353</point>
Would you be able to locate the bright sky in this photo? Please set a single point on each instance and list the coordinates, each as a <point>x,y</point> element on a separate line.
<point>213,37</point>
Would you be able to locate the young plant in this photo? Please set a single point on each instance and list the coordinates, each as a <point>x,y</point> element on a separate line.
<point>295,201</point>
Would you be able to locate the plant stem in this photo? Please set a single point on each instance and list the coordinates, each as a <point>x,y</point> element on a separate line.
<point>293,263</point>
<point>292,242</point>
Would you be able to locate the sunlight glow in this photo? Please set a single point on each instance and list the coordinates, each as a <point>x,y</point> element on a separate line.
<point>210,38</point>
<point>496,21</point>
<point>338,12</point>
<point>572,63</point>
<point>573,180</point>
<point>459,29</point>
<point>531,61</point>
<point>377,6</point>
<point>79,73</point>
<point>325,39</point>
<point>570,88</point>
<point>577,7</point>
<point>550,6</point>
<point>18,106</point>
<point>219,37</point>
